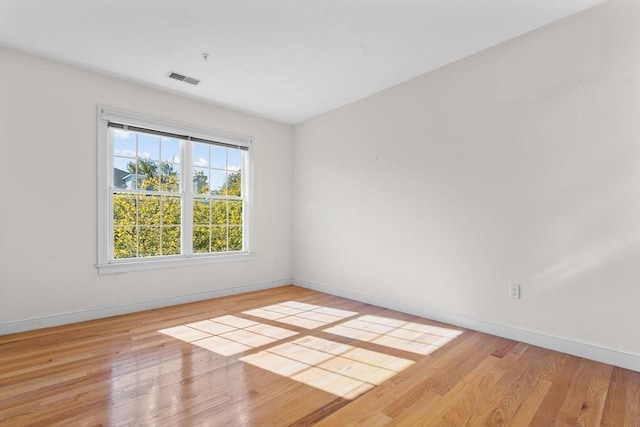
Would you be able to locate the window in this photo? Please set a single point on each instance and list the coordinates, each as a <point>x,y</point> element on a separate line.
<point>170,193</point>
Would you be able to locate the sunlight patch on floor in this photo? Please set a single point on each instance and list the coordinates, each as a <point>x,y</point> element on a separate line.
<point>306,316</point>
<point>339,369</point>
<point>228,335</point>
<point>407,336</point>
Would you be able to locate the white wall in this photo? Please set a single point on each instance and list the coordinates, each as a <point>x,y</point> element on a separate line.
<point>519,164</point>
<point>48,199</point>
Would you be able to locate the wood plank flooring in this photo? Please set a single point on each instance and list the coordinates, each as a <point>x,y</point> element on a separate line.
<point>297,358</point>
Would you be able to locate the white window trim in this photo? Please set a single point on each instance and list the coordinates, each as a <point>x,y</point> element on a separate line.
<point>105,264</point>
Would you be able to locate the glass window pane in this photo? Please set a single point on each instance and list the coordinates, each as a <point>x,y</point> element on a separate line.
<point>124,209</point>
<point>234,159</point>
<point>122,167</point>
<point>148,210</point>
<point>201,239</point>
<point>219,212</point>
<point>200,154</point>
<point>147,175</point>
<point>218,181</point>
<point>148,241</point>
<point>124,143</point>
<point>148,147</point>
<point>235,238</point>
<point>201,212</point>
<point>170,150</point>
<point>218,157</point>
<point>234,184</point>
<point>200,180</point>
<point>235,212</point>
<point>124,242</point>
<point>218,239</point>
<point>125,164</point>
<point>169,177</point>
<point>171,240</point>
<point>171,210</point>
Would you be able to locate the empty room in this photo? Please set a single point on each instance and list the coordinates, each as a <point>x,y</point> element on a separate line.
<point>320,212</point>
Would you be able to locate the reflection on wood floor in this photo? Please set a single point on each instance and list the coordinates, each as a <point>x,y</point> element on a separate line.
<point>291,356</point>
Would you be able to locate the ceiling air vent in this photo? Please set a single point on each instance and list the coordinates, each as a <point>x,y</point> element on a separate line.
<point>183,78</point>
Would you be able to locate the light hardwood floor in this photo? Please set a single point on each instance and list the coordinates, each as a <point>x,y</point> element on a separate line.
<point>291,356</point>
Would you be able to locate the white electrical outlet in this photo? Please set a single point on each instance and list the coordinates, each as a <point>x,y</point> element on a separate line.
<point>514,291</point>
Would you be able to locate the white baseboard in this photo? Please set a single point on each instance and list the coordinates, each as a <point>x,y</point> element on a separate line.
<point>576,348</point>
<point>16,326</point>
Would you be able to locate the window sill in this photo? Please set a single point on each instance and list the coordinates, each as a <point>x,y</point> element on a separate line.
<point>158,263</point>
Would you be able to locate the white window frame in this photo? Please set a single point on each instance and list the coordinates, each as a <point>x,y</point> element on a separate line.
<point>106,263</point>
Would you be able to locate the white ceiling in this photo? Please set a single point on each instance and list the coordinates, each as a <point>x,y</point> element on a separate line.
<point>284,60</point>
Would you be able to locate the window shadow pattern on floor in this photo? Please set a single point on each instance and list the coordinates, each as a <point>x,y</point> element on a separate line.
<point>343,370</point>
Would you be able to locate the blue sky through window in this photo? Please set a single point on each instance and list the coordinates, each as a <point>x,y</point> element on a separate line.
<point>212,162</point>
